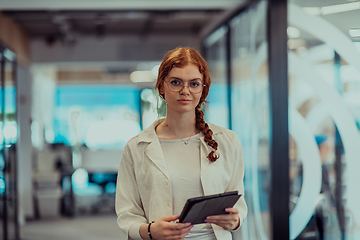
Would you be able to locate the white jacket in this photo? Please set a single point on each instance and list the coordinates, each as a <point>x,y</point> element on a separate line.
<point>143,190</point>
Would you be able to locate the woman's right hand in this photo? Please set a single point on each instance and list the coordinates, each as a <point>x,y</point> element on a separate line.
<point>165,229</point>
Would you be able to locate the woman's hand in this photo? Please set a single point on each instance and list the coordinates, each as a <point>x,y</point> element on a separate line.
<point>165,229</point>
<point>229,221</point>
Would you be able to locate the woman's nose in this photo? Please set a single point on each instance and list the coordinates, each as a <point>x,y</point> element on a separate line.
<point>185,90</point>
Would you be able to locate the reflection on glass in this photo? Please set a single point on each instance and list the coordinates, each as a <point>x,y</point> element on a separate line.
<point>218,108</point>
<point>250,113</point>
<point>324,78</point>
<point>100,117</point>
<point>249,106</point>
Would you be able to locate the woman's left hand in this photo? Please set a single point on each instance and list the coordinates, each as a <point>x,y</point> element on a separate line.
<point>229,221</point>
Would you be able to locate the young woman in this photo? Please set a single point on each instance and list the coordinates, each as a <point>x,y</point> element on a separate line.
<point>179,157</point>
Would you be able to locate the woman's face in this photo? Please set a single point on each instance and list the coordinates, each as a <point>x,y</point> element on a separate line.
<point>187,98</point>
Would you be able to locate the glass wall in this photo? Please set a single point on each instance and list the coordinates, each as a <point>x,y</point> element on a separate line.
<point>324,90</point>
<point>90,114</point>
<point>8,138</point>
<point>217,110</point>
<point>249,105</point>
<point>323,113</point>
<point>96,121</point>
<point>250,111</point>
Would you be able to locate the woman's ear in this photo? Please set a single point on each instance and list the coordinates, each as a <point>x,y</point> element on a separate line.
<point>161,89</point>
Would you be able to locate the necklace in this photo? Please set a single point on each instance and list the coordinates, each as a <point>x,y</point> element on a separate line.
<point>185,142</point>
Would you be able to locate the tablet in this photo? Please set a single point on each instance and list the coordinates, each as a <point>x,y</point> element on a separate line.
<point>197,209</point>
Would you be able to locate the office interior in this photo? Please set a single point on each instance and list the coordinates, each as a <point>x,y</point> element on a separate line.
<point>77,83</point>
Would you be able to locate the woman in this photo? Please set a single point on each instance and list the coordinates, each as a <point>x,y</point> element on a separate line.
<point>179,157</point>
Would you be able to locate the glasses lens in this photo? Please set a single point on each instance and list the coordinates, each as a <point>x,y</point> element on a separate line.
<point>193,86</point>
<point>175,85</point>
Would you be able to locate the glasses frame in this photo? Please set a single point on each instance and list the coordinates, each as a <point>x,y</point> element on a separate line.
<point>183,85</point>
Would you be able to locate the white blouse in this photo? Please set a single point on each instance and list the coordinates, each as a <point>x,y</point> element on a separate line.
<point>183,165</point>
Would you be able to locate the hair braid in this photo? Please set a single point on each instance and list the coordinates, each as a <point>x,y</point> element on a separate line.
<point>204,128</point>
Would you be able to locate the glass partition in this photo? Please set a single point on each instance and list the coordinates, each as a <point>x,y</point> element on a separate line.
<point>90,114</point>
<point>217,111</point>
<point>8,138</point>
<point>250,112</point>
<point>248,105</point>
<point>324,93</point>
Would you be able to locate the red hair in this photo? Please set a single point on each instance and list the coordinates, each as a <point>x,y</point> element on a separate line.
<point>181,57</point>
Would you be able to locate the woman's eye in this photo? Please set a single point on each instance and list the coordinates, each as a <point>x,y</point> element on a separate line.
<point>194,84</point>
<point>175,82</point>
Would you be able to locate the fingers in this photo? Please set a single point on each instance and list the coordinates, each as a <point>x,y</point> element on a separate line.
<point>173,225</point>
<point>227,221</point>
<point>178,233</point>
<point>164,229</point>
<point>232,210</point>
<point>170,218</point>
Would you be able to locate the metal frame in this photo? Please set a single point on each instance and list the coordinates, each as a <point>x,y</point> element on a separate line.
<point>278,82</point>
<point>16,218</point>
<point>229,73</point>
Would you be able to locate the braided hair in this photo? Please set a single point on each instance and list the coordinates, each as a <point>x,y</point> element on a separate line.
<point>181,57</point>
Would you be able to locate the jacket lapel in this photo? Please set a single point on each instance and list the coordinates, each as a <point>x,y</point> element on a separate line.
<point>154,152</point>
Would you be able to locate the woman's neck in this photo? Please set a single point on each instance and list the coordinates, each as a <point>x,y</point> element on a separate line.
<point>178,126</point>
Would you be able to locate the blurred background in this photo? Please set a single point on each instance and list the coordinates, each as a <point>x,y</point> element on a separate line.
<point>77,81</point>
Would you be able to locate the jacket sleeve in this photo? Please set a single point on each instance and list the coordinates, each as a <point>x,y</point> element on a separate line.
<point>237,179</point>
<point>128,205</point>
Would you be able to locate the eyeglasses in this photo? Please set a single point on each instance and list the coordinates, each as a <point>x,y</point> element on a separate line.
<point>176,85</point>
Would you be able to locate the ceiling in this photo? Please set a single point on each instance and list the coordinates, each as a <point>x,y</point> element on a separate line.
<point>52,20</point>
<point>61,24</point>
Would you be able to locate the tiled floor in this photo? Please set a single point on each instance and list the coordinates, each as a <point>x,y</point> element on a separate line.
<point>90,227</point>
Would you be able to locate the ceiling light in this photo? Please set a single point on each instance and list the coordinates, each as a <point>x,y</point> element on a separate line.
<point>354,32</point>
<point>293,32</point>
<point>142,76</point>
<point>340,8</point>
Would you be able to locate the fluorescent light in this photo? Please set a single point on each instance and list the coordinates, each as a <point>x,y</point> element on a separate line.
<point>142,76</point>
<point>340,8</point>
<point>354,32</point>
<point>293,32</point>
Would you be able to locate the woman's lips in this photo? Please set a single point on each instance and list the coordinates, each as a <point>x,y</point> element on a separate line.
<point>184,101</point>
